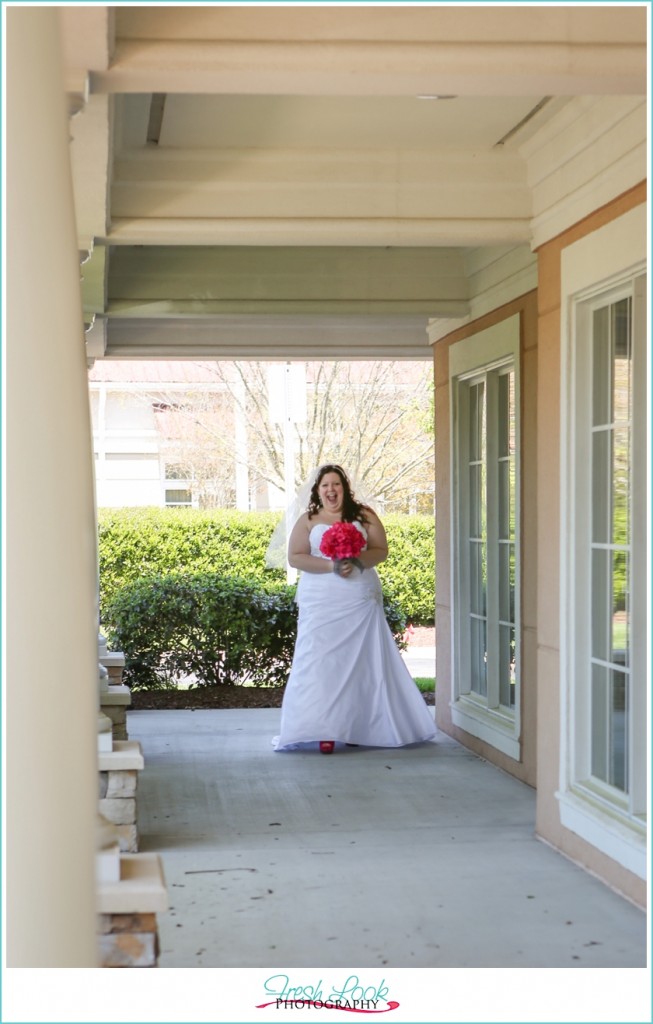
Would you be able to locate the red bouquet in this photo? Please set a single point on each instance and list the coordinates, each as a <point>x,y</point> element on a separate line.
<point>343,541</point>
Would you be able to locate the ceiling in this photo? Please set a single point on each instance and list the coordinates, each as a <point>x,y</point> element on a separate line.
<point>274,180</point>
<point>343,122</point>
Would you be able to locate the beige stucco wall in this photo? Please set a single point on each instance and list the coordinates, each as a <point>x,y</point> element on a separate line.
<point>548,824</point>
<point>526,308</point>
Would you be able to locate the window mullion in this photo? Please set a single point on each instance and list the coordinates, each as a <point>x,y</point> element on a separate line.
<point>492,385</point>
<point>463,645</point>
<point>581,553</point>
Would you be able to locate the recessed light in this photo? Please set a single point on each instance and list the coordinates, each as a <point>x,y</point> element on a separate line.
<point>436,96</point>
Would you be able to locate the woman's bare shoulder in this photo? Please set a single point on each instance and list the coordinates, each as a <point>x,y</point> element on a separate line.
<point>299,540</point>
<point>370,514</point>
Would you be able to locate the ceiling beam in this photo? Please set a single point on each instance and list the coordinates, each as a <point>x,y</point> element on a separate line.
<point>207,281</point>
<point>373,68</point>
<point>270,231</point>
<point>298,197</point>
<point>270,337</point>
<point>432,23</point>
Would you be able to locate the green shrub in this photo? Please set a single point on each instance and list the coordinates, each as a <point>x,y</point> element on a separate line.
<point>408,576</point>
<point>139,543</point>
<point>224,631</point>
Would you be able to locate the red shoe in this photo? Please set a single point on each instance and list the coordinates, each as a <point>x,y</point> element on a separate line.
<point>326,746</point>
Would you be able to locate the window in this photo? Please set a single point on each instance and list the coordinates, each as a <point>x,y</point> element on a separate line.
<point>609,541</point>
<point>178,497</point>
<point>484,374</point>
<point>177,483</point>
<point>178,471</point>
<point>603,794</point>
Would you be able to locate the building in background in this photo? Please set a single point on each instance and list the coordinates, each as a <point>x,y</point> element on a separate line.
<point>211,435</point>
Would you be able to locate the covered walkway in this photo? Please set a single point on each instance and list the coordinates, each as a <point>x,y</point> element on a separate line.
<point>421,857</point>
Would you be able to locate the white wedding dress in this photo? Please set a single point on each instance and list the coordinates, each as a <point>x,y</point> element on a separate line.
<point>348,681</point>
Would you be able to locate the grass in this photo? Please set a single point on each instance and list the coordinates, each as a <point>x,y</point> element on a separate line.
<point>425,684</point>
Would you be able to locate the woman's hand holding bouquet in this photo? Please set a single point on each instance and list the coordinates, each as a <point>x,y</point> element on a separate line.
<point>343,543</point>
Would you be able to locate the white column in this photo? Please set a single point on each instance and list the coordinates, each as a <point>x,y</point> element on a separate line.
<point>241,454</point>
<point>52,688</point>
<point>101,462</point>
<point>289,456</point>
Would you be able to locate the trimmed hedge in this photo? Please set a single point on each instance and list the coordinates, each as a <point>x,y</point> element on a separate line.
<point>408,575</point>
<point>224,631</point>
<point>137,543</point>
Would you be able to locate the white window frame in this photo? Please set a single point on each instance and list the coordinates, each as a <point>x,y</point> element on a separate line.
<point>490,349</point>
<point>170,483</point>
<point>598,269</point>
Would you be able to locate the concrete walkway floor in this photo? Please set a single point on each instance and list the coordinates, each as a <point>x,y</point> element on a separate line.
<point>417,857</point>
<point>420,661</point>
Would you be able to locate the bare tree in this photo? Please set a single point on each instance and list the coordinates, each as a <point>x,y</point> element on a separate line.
<point>196,436</point>
<point>374,418</point>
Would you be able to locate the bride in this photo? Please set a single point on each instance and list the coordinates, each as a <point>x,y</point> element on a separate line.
<point>348,682</point>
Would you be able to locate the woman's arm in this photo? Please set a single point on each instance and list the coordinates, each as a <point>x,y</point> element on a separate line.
<point>377,543</point>
<point>299,550</point>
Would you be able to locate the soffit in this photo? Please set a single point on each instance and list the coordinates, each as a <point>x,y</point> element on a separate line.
<point>232,153</point>
<point>357,123</point>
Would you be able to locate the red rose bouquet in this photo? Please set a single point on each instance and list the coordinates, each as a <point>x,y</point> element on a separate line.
<point>343,542</point>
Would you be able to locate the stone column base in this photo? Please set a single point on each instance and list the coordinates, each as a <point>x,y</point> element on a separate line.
<point>127,909</point>
<point>128,940</point>
<point>114,702</point>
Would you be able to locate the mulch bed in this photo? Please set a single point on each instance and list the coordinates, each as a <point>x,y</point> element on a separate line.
<point>212,697</point>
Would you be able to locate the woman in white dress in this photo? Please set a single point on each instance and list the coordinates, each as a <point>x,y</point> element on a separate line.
<point>348,682</point>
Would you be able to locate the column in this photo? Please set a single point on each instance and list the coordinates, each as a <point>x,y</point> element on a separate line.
<point>52,676</point>
<point>240,445</point>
